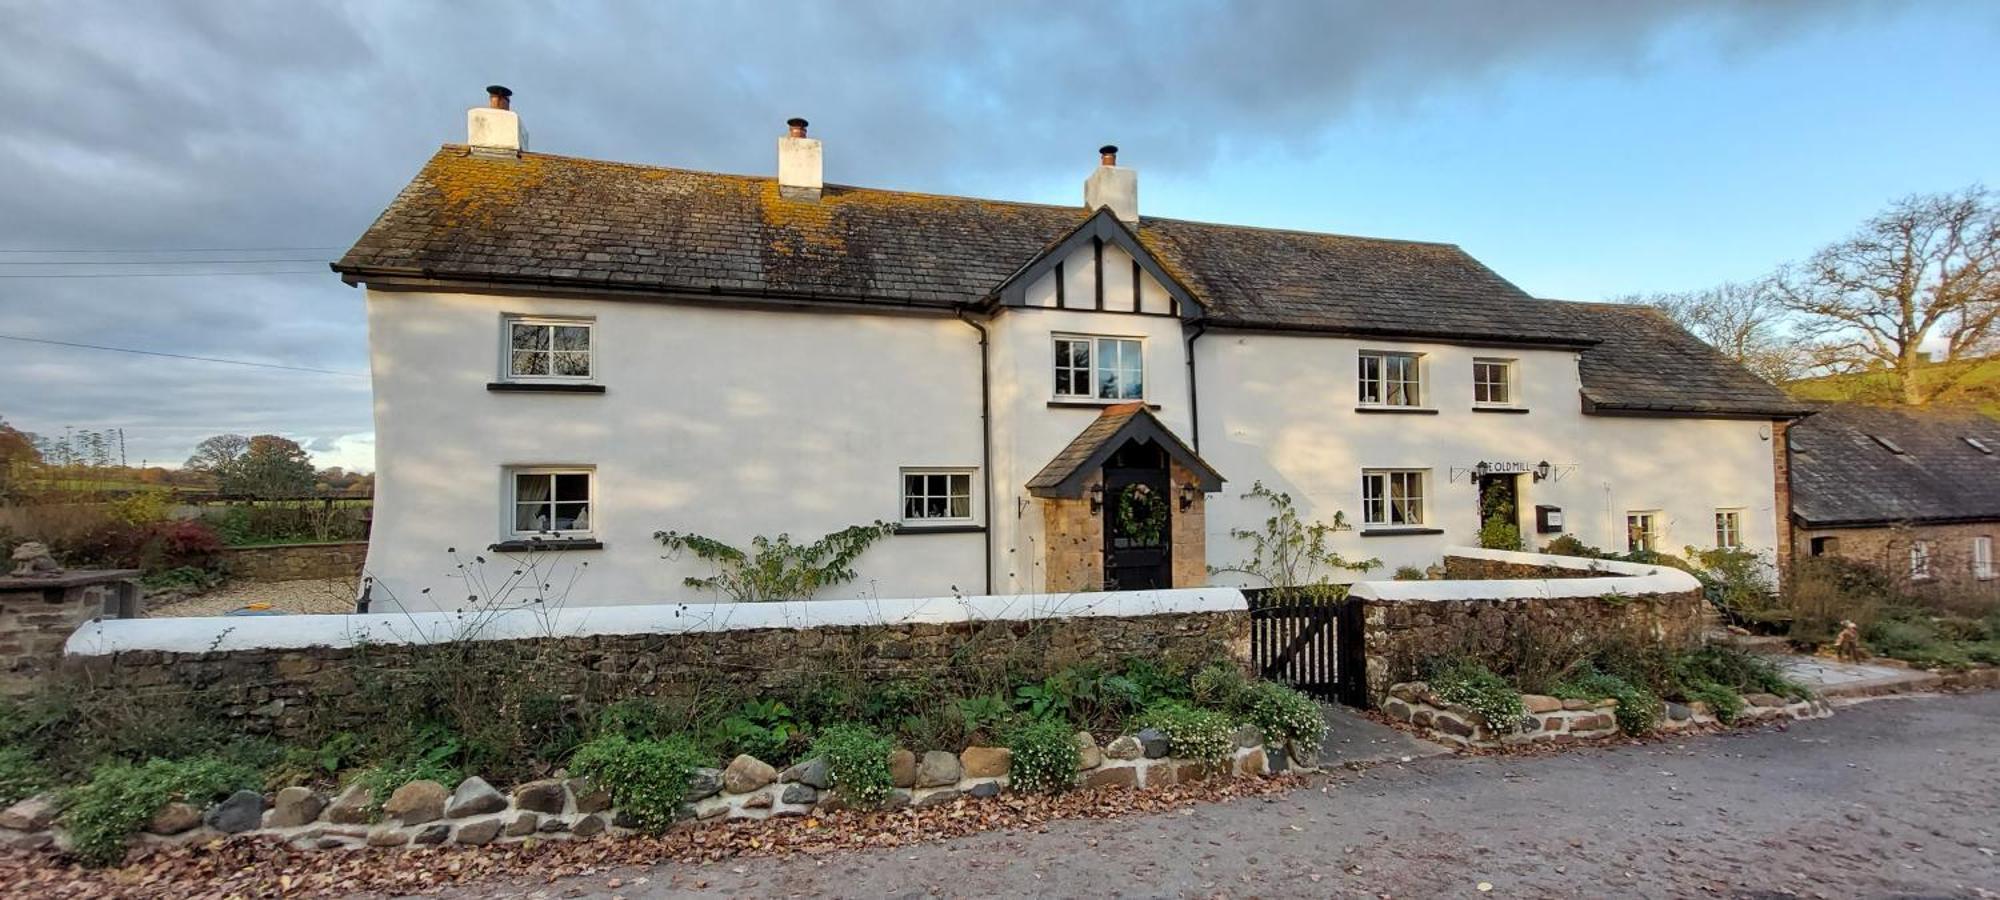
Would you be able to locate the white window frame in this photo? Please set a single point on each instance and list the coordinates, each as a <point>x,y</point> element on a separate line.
<point>1095,369</point>
<point>1378,503</point>
<point>971,495</point>
<point>507,324</point>
<point>1644,522</point>
<point>512,487</point>
<point>1412,382</point>
<point>1729,528</point>
<point>1507,383</point>
<point>1920,561</point>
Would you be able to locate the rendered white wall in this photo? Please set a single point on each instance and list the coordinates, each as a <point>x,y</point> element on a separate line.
<point>726,422</point>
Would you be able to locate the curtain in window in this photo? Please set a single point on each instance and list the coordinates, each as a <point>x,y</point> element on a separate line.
<point>531,502</point>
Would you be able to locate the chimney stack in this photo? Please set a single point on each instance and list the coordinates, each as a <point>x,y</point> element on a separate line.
<point>495,129</point>
<point>799,168</point>
<point>1113,186</point>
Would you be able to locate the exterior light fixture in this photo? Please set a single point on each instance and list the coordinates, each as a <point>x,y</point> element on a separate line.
<point>1097,497</point>
<point>1188,495</point>
<point>1480,470</point>
<point>1542,470</point>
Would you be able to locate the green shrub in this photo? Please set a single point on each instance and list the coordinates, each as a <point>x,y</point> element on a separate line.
<point>1221,687</point>
<point>647,779</point>
<point>1192,733</point>
<point>1730,667</point>
<point>120,798</point>
<point>424,752</point>
<point>21,775</point>
<point>1722,700</point>
<point>1287,716</point>
<point>762,728</point>
<point>857,759</point>
<point>1472,685</point>
<point>640,718</point>
<point>1044,757</point>
<point>1410,573</point>
<point>985,714</point>
<point>1638,707</point>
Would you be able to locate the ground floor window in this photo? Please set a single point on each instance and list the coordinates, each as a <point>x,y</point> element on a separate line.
<point>552,501</point>
<point>1982,558</point>
<point>1392,497</point>
<point>1825,546</point>
<point>1729,528</point>
<point>1642,531</point>
<point>1920,559</point>
<point>935,496</point>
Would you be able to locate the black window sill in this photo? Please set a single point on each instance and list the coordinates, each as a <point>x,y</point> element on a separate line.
<point>1505,410</point>
<point>531,546</point>
<point>543,387</point>
<point>1399,410</point>
<point>1399,532</point>
<point>1094,404</point>
<point>941,529</point>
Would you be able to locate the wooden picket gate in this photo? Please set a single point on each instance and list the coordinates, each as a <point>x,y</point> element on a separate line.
<point>1314,646</point>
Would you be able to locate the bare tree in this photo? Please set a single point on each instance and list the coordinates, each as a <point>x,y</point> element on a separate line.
<point>1925,270</point>
<point>1743,320</point>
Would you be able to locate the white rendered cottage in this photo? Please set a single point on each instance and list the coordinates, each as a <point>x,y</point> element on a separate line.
<point>576,354</point>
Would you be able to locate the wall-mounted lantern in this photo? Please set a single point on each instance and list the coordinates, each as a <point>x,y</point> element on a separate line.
<point>1097,497</point>
<point>1542,470</point>
<point>1188,494</point>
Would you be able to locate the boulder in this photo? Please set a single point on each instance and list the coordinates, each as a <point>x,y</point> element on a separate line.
<point>1768,701</point>
<point>350,807</point>
<point>1540,703</point>
<point>903,768</point>
<point>543,796</point>
<point>703,784</point>
<point>938,797</point>
<point>811,773</point>
<point>1112,776</point>
<point>747,773</point>
<point>239,812</point>
<point>294,807</point>
<point>759,800</point>
<point>174,818</point>
<point>432,834</point>
<point>28,841</point>
<point>1088,756</point>
<point>1124,747</point>
<point>938,769</point>
<point>800,792</point>
<point>589,797</point>
<point>985,789</point>
<point>386,835</point>
<point>416,803</point>
<point>474,797</point>
<point>1251,762</point>
<point>33,814</point>
<point>588,826</point>
<point>1248,736</point>
<point>897,799</point>
<point>1678,712</point>
<point>985,762</point>
<point>1154,742</point>
<point>523,825</point>
<point>480,831</point>
<point>553,826</point>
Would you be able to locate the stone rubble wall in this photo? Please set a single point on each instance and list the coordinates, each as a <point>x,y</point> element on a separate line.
<point>1551,720</point>
<point>38,615</point>
<point>426,813</point>
<point>294,562</point>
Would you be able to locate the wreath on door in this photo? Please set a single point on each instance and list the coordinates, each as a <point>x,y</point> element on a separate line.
<point>1142,514</point>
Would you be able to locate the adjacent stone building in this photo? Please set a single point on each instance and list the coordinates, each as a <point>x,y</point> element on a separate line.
<point>1911,491</point>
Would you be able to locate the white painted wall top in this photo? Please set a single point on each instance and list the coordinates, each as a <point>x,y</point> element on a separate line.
<point>1625,578</point>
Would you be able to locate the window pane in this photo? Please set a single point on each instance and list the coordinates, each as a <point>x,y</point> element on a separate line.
<point>530,337</point>
<point>531,517</point>
<point>961,507</point>
<point>572,363</point>
<point>531,487</point>
<point>573,486</point>
<point>961,485</point>
<point>572,337</point>
<point>572,516</point>
<point>530,362</point>
<point>1063,383</point>
<point>934,507</point>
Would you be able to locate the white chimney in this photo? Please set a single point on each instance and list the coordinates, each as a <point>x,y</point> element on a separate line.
<point>799,170</point>
<point>1113,186</point>
<point>495,128</point>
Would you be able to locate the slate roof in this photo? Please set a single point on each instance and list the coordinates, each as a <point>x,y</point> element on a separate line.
<point>1064,474</point>
<point>1643,364</point>
<point>567,223</point>
<point>1842,476</point>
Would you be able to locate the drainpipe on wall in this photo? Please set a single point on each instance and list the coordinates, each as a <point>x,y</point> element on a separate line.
<point>985,445</point>
<point>1194,394</point>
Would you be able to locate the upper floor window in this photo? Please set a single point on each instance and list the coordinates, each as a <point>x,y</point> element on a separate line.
<point>549,348</point>
<point>1392,497</point>
<point>1100,368</point>
<point>1729,528</point>
<point>933,496</point>
<point>1642,531</point>
<point>1391,379</point>
<point>1493,382</point>
<point>552,501</point>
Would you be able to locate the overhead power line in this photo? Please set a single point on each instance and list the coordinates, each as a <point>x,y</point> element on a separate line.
<point>164,274</point>
<point>154,262</point>
<point>209,359</point>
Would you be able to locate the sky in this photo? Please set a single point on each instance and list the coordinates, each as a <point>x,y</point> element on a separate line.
<point>1581,149</point>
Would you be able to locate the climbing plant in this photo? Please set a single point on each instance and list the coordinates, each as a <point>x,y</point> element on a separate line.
<point>776,568</point>
<point>1290,554</point>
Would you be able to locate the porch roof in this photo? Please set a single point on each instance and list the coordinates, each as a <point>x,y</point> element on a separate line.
<point>1065,475</point>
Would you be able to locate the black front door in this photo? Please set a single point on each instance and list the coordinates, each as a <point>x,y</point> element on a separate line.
<point>1138,519</point>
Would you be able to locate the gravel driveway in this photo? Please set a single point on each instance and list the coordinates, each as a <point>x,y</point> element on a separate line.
<point>312,596</point>
<point>1890,797</point>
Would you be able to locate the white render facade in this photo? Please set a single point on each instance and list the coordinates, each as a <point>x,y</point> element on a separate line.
<point>568,425</point>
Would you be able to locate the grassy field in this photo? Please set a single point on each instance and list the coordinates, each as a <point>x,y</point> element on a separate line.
<point>1978,386</point>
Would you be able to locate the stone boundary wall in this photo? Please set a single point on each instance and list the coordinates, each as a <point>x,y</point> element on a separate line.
<point>293,562</point>
<point>1472,568</point>
<point>38,613</point>
<point>427,813</point>
<point>1549,720</point>
<point>1498,621</point>
<point>290,674</point>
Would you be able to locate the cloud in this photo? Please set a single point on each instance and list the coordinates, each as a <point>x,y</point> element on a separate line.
<point>283,124</point>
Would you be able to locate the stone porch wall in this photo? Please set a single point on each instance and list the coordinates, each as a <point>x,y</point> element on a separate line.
<point>293,562</point>
<point>1074,559</point>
